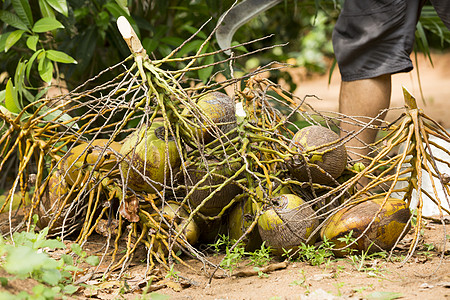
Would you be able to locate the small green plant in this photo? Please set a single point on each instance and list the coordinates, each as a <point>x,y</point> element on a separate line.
<point>427,250</point>
<point>222,243</point>
<point>348,239</point>
<point>233,256</point>
<point>260,257</point>
<point>261,274</point>
<point>172,273</point>
<point>338,286</point>
<point>301,282</point>
<point>311,254</point>
<point>25,256</point>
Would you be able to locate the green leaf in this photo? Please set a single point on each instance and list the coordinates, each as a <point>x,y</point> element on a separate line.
<point>46,9</point>
<point>45,69</point>
<point>46,24</point>
<point>22,260</point>
<point>123,5</point>
<point>13,38</point>
<point>3,281</point>
<point>76,249</point>
<point>32,42</point>
<point>59,56</point>
<point>23,10</point>
<point>51,276</point>
<point>11,98</point>
<point>383,296</point>
<point>70,289</point>
<point>31,61</point>
<point>3,38</point>
<point>204,73</point>
<point>12,20</point>
<point>53,244</point>
<point>60,6</point>
<point>93,260</point>
<point>157,296</point>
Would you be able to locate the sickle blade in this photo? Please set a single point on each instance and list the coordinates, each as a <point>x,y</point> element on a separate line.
<point>238,15</point>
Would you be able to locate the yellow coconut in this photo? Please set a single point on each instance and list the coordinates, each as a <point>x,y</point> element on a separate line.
<point>155,160</point>
<point>83,157</point>
<point>390,225</point>
<point>58,210</point>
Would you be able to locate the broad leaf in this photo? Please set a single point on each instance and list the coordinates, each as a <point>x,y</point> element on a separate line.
<point>3,38</point>
<point>61,57</point>
<point>60,6</point>
<point>46,9</point>
<point>23,10</point>
<point>32,42</point>
<point>11,98</point>
<point>46,24</point>
<point>45,69</point>
<point>31,61</point>
<point>12,20</point>
<point>13,38</point>
<point>204,73</point>
<point>93,260</point>
<point>22,260</point>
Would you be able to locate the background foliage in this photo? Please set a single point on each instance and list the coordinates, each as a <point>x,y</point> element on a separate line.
<point>43,41</point>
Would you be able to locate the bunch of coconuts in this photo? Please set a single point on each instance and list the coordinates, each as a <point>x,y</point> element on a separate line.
<point>149,161</point>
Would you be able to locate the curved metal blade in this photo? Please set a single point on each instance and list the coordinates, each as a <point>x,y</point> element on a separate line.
<point>238,15</point>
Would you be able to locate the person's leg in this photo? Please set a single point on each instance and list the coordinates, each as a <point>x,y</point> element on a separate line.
<point>365,99</point>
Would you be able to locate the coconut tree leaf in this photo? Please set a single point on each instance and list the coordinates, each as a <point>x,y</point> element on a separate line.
<point>60,6</point>
<point>61,57</point>
<point>13,38</point>
<point>46,24</point>
<point>32,42</point>
<point>23,11</point>
<point>12,20</point>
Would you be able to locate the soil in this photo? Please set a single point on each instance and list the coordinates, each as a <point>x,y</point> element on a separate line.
<point>426,275</point>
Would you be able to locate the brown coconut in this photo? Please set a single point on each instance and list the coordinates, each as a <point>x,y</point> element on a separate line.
<point>325,163</point>
<point>221,197</point>
<point>287,223</point>
<point>220,109</point>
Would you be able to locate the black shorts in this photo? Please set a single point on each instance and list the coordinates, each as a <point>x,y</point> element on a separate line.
<point>376,37</point>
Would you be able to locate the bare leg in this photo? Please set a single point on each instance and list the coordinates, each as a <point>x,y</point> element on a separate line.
<point>366,97</point>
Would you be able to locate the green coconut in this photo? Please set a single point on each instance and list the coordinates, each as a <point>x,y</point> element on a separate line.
<point>239,220</point>
<point>388,227</point>
<point>146,149</point>
<point>324,164</point>
<point>287,223</point>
